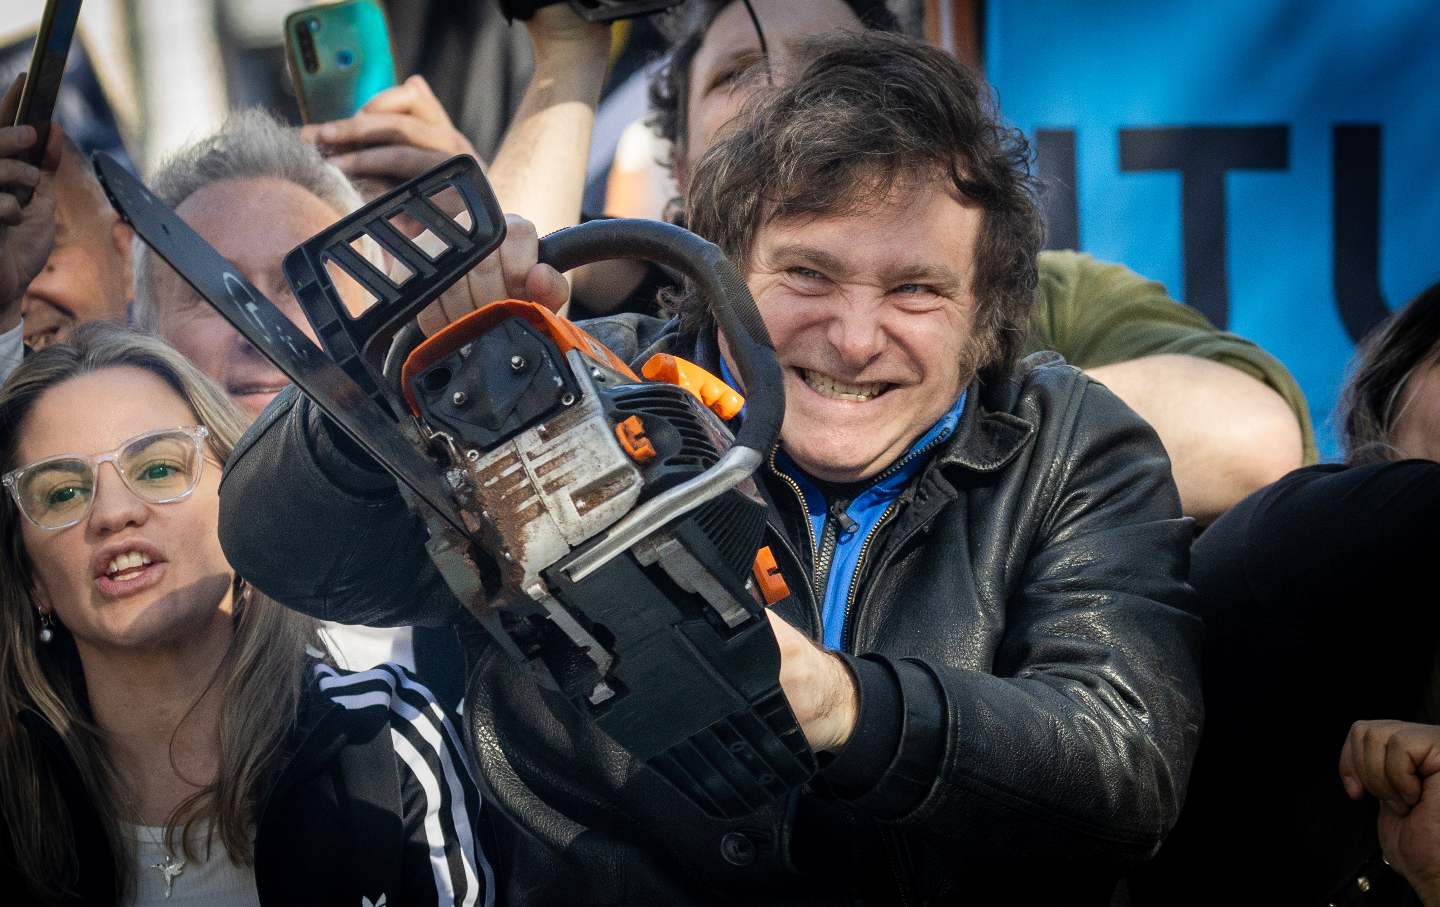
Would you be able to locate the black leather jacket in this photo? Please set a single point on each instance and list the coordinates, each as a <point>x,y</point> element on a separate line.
<point>1020,625</point>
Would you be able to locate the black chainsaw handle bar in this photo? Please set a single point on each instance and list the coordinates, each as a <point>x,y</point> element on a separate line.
<point>721,288</point>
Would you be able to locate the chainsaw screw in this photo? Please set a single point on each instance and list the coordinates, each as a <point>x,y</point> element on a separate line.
<point>567,399</point>
<point>472,455</point>
<point>460,398</point>
<point>517,363</point>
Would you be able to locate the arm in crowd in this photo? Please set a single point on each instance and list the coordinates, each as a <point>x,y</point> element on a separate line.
<point>539,169</point>
<point>1090,717</point>
<point>1230,415</point>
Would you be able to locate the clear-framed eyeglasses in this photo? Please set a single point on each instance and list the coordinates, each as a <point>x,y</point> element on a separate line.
<point>159,467</point>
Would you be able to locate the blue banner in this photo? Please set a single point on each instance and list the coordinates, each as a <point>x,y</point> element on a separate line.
<point>1274,164</point>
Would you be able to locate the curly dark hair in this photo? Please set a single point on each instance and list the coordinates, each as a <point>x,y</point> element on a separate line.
<point>1384,363</point>
<point>869,112</point>
<point>685,29</point>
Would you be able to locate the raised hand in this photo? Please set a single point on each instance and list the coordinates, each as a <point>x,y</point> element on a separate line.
<point>27,231</point>
<point>510,272</point>
<point>398,135</point>
<point>1398,763</point>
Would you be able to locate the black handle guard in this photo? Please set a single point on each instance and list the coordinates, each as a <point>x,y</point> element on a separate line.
<point>460,217</point>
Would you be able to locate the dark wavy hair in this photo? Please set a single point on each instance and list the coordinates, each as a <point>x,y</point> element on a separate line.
<point>1385,361</point>
<point>869,112</point>
<point>686,29</point>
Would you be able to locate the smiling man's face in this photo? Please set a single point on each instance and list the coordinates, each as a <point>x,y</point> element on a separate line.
<point>872,315</point>
<point>254,223</point>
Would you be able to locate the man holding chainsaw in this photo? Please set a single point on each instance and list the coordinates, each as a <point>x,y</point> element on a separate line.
<point>984,640</point>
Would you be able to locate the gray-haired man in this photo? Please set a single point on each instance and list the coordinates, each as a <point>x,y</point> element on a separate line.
<point>254,191</point>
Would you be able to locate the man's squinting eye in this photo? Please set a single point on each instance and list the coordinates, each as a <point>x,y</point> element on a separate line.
<point>805,273</point>
<point>723,79</point>
<point>735,72</point>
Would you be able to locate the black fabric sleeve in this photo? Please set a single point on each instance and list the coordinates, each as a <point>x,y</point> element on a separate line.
<point>1325,538</point>
<point>314,524</point>
<point>872,745</point>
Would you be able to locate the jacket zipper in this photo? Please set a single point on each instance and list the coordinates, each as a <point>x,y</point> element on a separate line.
<point>848,640</point>
<point>849,635</point>
<point>815,616</point>
<point>835,516</point>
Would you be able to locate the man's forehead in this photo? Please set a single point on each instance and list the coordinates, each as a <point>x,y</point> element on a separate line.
<point>918,230</point>
<point>785,23</point>
<point>260,219</point>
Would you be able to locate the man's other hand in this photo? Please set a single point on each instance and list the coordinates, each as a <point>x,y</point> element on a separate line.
<point>27,232</point>
<point>819,686</point>
<point>510,272</point>
<point>398,135</point>
<point>1398,763</point>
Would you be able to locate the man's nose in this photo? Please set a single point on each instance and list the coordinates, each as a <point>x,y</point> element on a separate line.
<point>855,333</point>
<point>115,506</point>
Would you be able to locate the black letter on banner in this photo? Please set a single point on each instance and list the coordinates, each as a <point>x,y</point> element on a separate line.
<point>1202,154</point>
<point>1055,161</point>
<point>1355,217</point>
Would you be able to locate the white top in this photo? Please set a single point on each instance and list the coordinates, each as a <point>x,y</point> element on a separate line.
<point>191,883</point>
<point>359,648</point>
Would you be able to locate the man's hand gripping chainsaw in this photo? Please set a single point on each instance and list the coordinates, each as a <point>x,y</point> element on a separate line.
<point>605,529</point>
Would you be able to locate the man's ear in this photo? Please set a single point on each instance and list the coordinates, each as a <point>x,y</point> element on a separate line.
<point>122,235</point>
<point>121,238</point>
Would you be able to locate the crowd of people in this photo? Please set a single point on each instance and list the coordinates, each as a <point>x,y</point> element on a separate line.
<point>1074,614</point>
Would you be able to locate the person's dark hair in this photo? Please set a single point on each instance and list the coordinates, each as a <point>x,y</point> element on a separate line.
<point>1374,397</point>
<point>685,29</point>
<point>869,112</point>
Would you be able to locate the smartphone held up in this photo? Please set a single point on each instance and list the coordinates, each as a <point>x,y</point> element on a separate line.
<point>339,57</point>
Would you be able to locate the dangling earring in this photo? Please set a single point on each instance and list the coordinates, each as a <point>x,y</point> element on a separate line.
<point>47,628</point>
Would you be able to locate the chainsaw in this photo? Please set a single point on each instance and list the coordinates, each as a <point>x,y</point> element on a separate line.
<point>603,525</point>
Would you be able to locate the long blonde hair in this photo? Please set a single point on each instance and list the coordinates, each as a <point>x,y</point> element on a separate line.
<point>260,676</point>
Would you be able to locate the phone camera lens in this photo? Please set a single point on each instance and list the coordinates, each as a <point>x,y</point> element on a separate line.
<point>344,58</point>
<point>312,24</point>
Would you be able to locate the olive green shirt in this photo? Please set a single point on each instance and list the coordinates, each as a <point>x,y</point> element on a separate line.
<point>1095,313</point>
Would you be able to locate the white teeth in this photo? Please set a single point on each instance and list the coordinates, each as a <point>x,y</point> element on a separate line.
<point>127,561</point>
<point>829,387</point>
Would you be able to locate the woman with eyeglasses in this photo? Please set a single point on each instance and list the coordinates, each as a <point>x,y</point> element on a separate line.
<point>168,734</point>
